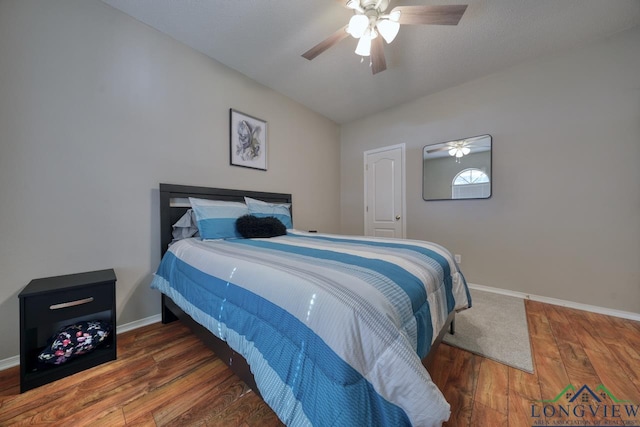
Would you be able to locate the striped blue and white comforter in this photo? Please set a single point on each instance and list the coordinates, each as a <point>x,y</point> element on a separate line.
<point>333,327</point>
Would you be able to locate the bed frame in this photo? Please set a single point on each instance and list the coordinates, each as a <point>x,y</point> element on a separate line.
<point>173,205</point>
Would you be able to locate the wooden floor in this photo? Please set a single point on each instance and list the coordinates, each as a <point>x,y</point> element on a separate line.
<point>164,376</point>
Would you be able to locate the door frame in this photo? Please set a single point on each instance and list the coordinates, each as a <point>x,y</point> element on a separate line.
<point>402,147</point>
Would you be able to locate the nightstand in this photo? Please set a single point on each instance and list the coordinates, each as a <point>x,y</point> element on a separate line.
<point>51,303</point>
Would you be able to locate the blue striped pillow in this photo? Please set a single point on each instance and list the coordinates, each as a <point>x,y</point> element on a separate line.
<point>263,209</point>
<point>217,218</point>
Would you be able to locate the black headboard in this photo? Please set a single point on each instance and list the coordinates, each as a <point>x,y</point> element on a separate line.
<point>170,212</point>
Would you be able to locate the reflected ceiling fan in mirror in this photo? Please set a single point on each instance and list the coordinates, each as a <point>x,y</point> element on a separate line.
<point>461,147</point>
<point>371,20</point>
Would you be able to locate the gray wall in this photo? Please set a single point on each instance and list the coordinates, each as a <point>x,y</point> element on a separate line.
<point>564,218</point>
<point>96,109</point>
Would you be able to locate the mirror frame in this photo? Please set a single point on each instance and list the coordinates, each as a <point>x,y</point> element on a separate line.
<point>442,146</point>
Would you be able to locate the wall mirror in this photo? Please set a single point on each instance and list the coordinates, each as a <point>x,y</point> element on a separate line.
<point>459,169</point>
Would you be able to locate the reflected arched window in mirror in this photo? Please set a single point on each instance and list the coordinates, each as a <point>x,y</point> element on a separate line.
<point>471,183</point>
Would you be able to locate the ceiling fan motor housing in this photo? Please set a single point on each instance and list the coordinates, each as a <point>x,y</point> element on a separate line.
<point>367,5</point>
<point>373,10</point>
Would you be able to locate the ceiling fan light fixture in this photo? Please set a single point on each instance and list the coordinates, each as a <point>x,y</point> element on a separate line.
<point>358,24</point>
<point>395,15</point>
<point>364,45</point>
<point>465,150</point>
<point>453,151</point>
<point>388,29</point>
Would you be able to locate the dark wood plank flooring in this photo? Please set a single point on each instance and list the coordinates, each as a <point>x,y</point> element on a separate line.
<point>164,376</point>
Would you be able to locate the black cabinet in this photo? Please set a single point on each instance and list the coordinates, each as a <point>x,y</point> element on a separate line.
<point>48,304</point>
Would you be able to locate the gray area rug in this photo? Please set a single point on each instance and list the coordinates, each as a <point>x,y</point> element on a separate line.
<point>494,327</point>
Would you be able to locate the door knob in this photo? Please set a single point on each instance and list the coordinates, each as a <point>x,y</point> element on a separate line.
<point>397,217</point>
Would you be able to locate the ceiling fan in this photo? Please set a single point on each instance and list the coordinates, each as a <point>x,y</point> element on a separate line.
<point>370,20</point>
<point>462,147</point>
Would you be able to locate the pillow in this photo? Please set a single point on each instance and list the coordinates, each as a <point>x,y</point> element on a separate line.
<point>186,226</point>
<point>216,218</point>
<point>74,340</point>
<point>250,226</point>
<point>263,209</point>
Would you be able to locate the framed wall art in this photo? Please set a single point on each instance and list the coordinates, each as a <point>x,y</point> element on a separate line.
<point>248,141</point>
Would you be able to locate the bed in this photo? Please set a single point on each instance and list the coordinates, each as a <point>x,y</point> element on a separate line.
<point>328,329</point>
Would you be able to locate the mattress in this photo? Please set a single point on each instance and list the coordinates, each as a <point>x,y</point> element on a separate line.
<point>333,327</point>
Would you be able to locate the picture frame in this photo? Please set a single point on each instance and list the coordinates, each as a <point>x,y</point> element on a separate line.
<point>247,141</point>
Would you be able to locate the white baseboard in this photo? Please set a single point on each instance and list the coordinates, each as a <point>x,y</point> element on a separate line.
<point>139,323</point>
<point>563,303</point>
<point>10,362</point>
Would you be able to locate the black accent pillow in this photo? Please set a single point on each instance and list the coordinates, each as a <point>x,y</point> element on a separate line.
<point>74,340</point>
<point>250,226</point>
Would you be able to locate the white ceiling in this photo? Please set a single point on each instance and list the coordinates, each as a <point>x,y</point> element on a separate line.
<point>263,39</point>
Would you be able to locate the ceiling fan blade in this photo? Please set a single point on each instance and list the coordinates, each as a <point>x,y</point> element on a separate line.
<point>378,63</point>
<point>435,15</point>
<point>435,150</point>
<point>326,43</point>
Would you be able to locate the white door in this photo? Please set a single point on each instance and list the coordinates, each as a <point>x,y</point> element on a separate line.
<point>384,192</point>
